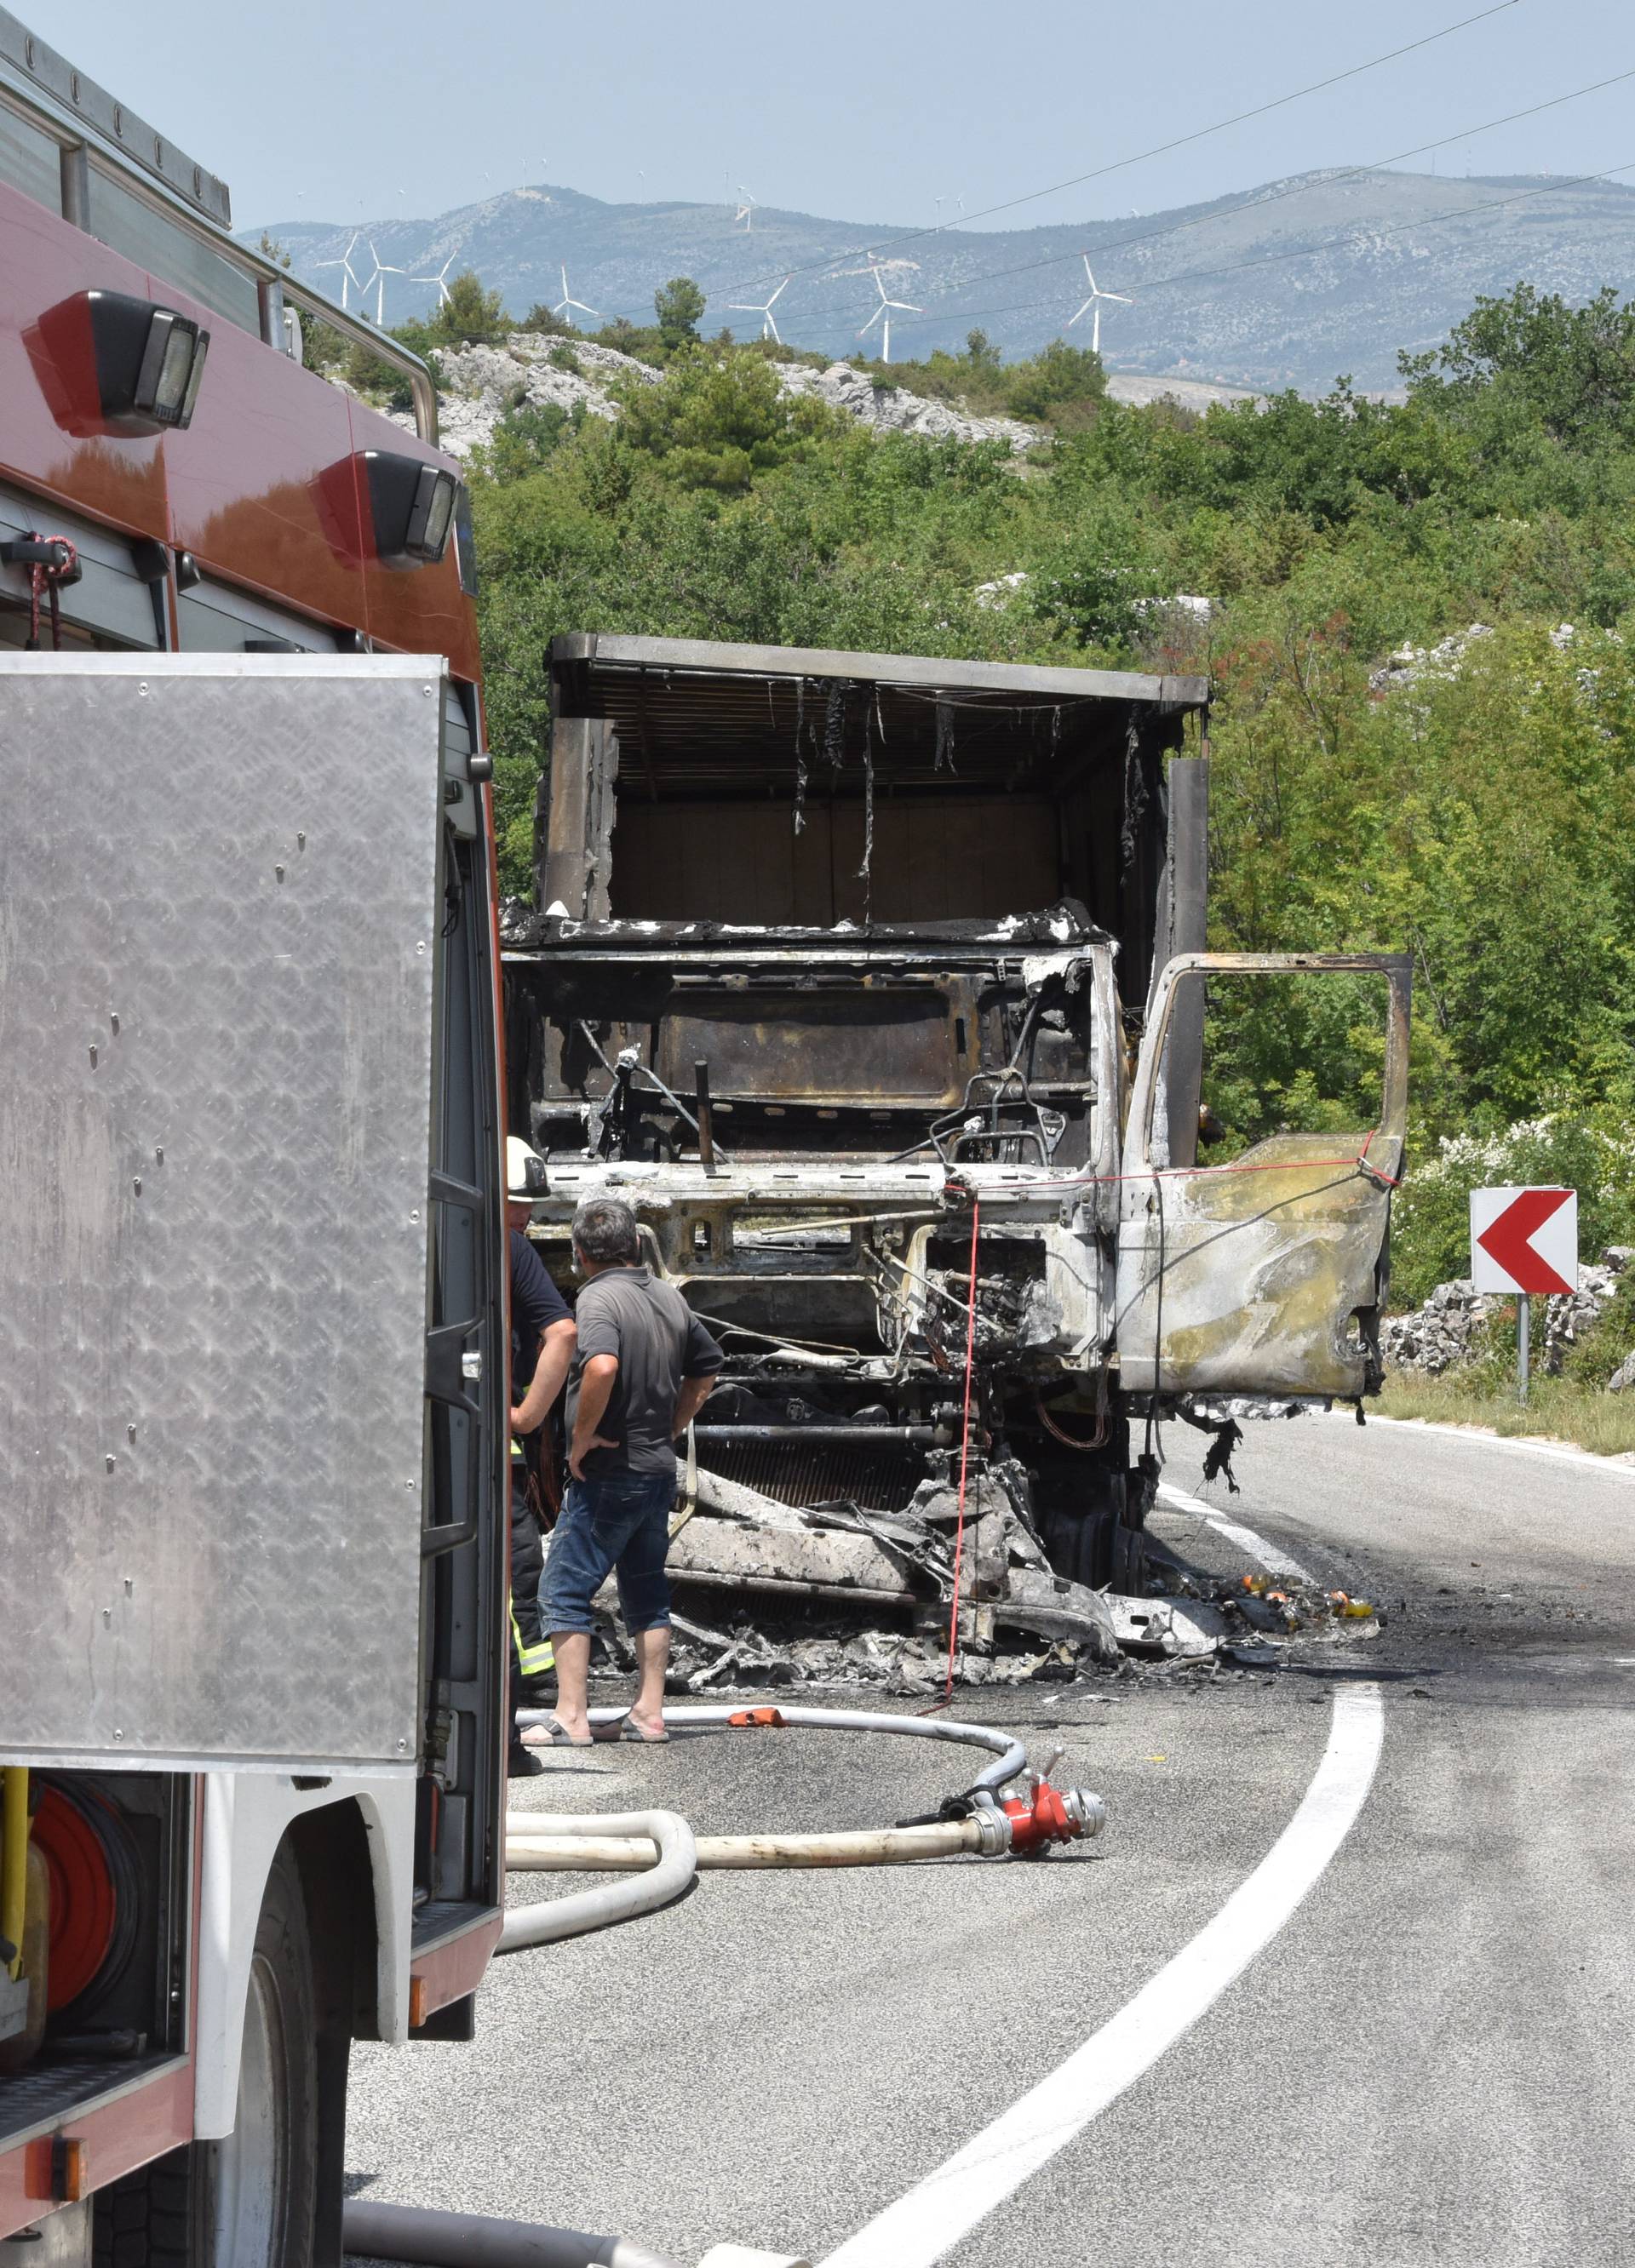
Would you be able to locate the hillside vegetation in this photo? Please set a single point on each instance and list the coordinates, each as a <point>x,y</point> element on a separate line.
<point>1473,804</point>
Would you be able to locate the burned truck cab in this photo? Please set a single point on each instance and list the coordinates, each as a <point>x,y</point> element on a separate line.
<point>839,975</point>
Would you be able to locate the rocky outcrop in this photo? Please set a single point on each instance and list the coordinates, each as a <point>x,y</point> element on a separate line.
<point>1449,1328</point>
<point>480,384</point>
<point>1439,1335</point>
<point>483,384</point>
<point>1409,664</point>
<point>892,409</point>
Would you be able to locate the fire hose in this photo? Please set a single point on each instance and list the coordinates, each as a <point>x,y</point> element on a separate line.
<point>476,2240</point>
<point>1010,1754</point>
<point>665,1835</point>
<point>535,1844</point>
<point>982,1820</point>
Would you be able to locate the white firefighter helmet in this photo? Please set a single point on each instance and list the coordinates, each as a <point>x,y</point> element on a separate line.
<point>525,1171</point>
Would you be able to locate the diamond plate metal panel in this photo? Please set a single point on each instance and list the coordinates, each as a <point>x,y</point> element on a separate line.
<point>218,922</point>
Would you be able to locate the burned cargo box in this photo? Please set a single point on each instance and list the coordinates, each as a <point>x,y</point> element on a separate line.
<point>840,977</point>
<point>770,788</point>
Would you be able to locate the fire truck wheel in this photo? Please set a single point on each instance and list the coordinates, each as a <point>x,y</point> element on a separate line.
<point>247,2201</point>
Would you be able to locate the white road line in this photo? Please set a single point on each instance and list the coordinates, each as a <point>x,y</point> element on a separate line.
<point>1275,1561</point>
<point>1483,1440</point>
<point>926,2224</point>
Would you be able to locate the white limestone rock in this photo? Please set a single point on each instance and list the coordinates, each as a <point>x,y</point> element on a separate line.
<point>892,409</point>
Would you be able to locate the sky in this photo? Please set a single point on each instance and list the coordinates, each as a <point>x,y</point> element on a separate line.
<point>353,110</point>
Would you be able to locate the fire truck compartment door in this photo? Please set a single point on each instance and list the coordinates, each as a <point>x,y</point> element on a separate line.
<point>1256,1276</point>
<point>220,918</point>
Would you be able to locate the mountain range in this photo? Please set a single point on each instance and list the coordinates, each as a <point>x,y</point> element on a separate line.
<point>1289,285</point>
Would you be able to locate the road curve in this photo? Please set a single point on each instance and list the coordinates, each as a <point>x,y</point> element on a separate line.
<point>1428,2062</point>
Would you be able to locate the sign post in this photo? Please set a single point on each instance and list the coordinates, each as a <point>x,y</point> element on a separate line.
<point>1524,1241</point>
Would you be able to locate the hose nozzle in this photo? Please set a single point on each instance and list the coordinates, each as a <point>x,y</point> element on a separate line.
<point>1051,1814</point>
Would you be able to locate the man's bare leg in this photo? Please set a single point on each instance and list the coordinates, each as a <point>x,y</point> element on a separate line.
<point>652,1659</point>
<point>572,1650</point>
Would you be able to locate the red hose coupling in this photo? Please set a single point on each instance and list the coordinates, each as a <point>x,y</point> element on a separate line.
<point>1050,1815</point>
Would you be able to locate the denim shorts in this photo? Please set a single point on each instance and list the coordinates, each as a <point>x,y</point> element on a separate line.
<point>622,1522</point>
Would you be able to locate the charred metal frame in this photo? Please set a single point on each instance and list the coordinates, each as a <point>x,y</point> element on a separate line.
<point>757,1006</point>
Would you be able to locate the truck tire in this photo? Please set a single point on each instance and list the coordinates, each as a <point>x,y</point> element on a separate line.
<point>1081,1509</point>
<point>248,2200</point>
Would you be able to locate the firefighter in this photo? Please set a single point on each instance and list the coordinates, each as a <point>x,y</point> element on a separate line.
<point>542,1340</point>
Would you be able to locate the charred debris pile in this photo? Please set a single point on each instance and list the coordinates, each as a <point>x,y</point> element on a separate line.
<point>1186,1623</point>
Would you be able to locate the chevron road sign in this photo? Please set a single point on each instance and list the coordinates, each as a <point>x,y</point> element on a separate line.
<point>1524,1239</point>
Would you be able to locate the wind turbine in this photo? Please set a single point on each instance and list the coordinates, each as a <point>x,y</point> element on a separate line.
<point>440,279</point>
<point>1096,297</point>
<point>383,268</point>
<point>769,328</point>
<point>882,313</point>
<point>347,276</point>
<point>567,301</point>
<point>745,209</point>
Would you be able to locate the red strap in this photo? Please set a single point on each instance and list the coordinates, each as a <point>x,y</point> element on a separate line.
<point>965,1453</point>
<point>45,580</point>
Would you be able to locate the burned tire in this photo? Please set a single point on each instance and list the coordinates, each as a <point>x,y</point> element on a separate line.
<point>1081,1507</point>
<point>248,2200</point>
<point>1127,1571</point>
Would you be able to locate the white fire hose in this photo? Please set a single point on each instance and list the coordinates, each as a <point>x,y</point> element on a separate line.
<point>534,1844</point>
<point>377,2231</point>
<point>1010,1755</point>
<point>669,1867</point>
<point>546,1842</point>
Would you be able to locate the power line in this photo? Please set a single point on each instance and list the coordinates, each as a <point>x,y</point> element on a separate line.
<point>1276,196</point>
<point>1160,149</point>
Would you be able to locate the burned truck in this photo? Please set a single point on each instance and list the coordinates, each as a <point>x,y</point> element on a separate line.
<point>878,986</point>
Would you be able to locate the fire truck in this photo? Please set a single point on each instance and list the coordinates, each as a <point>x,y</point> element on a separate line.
<point>253,1332</point>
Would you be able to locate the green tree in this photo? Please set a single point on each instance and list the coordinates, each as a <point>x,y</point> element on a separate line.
<point>1059,378</point>
<point>529,434</point>
<point>546,321</point>
<point>679,305</point>
<point>717,423</point>
<point>469,316</point>
<point>1571,370</point>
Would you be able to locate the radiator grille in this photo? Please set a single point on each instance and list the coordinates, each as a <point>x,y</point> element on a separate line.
<point>875,1478</point>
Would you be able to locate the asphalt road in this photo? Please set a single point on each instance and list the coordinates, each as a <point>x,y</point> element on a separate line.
<point>1431,2061</point>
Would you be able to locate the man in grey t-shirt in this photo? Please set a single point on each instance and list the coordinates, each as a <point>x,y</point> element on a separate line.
<point>644,1364</point>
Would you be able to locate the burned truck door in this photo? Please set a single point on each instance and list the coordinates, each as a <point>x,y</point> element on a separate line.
<point>1262,1273</point>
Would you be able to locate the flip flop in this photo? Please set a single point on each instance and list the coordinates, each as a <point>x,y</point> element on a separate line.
<point>551,1735</point>
<point>632,1732</point>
